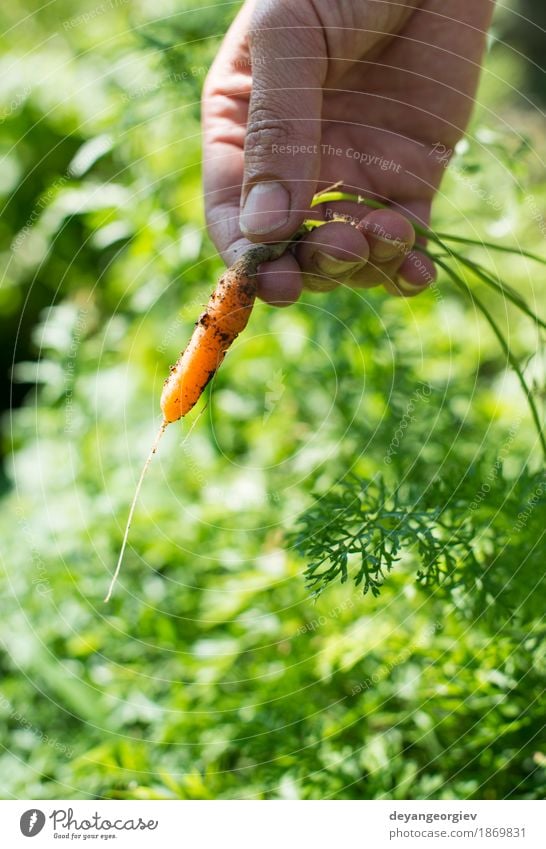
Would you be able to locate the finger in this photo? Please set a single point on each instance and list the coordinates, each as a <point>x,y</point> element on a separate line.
<point>389,234</point>
<point>416,210</point>
<point>330,254</point>
<point>375,274</point>
<point>409,278</point>
<point>416,274</point>
<point>282,145</point>
<point>391,237</point>
<point>280,282</point>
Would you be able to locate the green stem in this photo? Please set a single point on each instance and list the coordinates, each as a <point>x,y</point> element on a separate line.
<point>498,285</point>
<point>501,287</point>
<point>461,284</point>
<point>438,239</point>
<point>331,197</point>
<point>503,248</point>
<point>335,197</point>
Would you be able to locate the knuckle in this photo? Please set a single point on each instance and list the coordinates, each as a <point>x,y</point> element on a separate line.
<point>264,135</point>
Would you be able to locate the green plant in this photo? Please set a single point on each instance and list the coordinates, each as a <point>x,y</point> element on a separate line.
<point>484,546</point>
<point>214,673</point>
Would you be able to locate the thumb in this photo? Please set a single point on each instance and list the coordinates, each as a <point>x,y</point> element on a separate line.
<point>282,144</point>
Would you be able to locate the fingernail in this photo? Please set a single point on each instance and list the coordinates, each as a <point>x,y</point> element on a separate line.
<point>333,267</point>
<point>318,284</point>
<point>384,249</point>
<point>265,209</point>
<point>411,288</point>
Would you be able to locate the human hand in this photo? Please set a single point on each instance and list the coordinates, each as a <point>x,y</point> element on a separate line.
<point>302,95</point>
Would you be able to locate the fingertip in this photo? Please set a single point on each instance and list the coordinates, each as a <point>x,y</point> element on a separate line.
<point>389,233</point>
<point>416,273</point>
<point>280,282</point>
<point>338,239</point>
<point>330,254</point>
<point>234,251</point>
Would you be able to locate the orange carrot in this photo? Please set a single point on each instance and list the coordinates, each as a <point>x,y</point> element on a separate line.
<point>226,315</point>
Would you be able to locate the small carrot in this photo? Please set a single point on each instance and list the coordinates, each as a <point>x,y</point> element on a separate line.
<point>226,315</point>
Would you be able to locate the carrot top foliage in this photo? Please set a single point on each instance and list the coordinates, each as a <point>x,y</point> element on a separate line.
<point>362,527</point>
<point>486,547</point>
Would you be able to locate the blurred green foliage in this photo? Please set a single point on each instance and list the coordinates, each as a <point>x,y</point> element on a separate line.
<point>213,673</point>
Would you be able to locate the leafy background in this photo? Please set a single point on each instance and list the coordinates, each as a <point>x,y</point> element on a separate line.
<point>216,672</point>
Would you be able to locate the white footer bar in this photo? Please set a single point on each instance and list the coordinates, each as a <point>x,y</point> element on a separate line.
<point>274,825</point>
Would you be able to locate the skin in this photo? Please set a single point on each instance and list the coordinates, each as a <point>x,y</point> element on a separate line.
<point>389,81</point>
